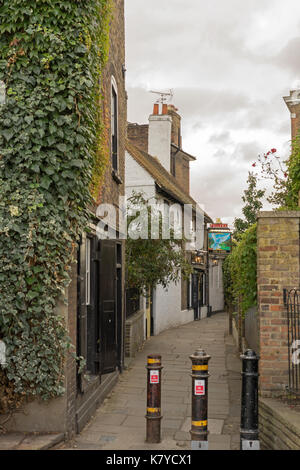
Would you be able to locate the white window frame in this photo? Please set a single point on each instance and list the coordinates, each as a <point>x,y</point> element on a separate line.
<point>115,88</point>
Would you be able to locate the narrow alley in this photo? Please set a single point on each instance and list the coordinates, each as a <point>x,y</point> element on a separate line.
<point>119,422</point>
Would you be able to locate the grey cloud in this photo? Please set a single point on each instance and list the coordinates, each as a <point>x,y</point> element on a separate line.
<point>284,127</point>
<point>197,102</point>
<point>220,138</point>
<point>201,108</point>
<point>247,151</point>
<point>220,183</point>
<point>220,190</point>
<point>185,43</point>
<point>288,57</point>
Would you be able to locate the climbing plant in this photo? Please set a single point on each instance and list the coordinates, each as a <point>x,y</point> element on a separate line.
<point>151,258</point>
<point>240,272</point>
<point>283,175</point>
<point>52,53</point>
<point>253,202</point>
<point>291,199</point>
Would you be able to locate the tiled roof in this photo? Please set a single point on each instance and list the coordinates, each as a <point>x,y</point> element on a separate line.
<point>162,177</point>
<point>175,149</point>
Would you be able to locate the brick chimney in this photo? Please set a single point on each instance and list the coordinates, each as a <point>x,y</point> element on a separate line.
<point>176,125</point>
<point>293,103</point>
<point>159,137</point>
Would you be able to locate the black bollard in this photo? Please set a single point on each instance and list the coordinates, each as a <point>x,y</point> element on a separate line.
<point>249,434</point>
<point>153,416</point>
<point>199,429</point>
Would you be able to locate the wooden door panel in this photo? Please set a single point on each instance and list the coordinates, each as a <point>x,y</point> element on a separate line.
<point>107,306</point>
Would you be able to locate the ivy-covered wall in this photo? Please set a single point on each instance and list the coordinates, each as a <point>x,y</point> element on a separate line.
<point>240,272</point>
<point>52,53</point>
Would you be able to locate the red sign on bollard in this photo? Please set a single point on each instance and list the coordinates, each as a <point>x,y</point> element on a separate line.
<point>154,376</point>
<point>199,387</point>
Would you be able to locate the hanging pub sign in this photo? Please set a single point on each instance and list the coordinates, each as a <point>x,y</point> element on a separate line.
<point>218,226</point>
<point>219,241</point>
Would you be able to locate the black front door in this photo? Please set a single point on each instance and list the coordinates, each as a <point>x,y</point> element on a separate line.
<point>107,306</point>
<point>195,295</point>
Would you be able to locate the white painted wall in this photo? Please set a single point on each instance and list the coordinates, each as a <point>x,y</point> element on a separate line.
<point>166,303</point>
<point>216,290</point>
<point>159,138</point>
<point>203,312</point>
<point>137,178</point>
<point>167,308</point>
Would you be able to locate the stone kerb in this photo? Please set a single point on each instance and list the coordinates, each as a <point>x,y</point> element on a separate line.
<point>277,268</point>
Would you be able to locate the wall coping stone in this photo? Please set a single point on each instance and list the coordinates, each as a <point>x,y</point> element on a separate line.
<point>278,214</point>
<point>134,318</point>
<point>288,417</point>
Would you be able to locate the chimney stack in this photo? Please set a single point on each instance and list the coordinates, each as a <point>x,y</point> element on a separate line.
<point>293,104</point>
<point>159,137</point>
<point>164,109</point>
<point>176,125</point>
<point>156,109</point>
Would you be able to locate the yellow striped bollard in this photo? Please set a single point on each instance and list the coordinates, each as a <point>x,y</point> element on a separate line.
<point>199,429</point>
<point>153,416</point>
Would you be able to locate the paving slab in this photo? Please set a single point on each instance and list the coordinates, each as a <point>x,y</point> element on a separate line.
<point>27,441</point>
<point>120,422</point>
<point>10,441</point>
<point>214,426</point>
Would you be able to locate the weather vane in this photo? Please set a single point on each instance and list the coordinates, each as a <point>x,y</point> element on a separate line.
<point>164,95</point>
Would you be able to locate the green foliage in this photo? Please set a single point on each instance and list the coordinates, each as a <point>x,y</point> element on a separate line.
<point>51,56</point>
<point>284,176</point>
<point>240,271</point>
<point>293,178</point>
<point>149,261</point>
<point>253,203</point>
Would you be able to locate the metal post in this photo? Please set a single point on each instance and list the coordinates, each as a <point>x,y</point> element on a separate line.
<point>153,416</point>
<point>199,430</point>
<point>249,413</point>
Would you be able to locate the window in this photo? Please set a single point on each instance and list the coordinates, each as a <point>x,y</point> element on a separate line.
<point>88,272</point>
<point>189,293</point>
<point>114,125</point>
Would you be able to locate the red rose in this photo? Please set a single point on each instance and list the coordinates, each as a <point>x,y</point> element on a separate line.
<point>273,150</point>
<point>253,164</point>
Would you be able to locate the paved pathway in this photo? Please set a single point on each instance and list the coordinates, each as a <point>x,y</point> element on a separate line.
<point>119,422</point>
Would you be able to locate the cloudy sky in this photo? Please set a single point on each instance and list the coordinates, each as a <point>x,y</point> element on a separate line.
<point>229,63</point>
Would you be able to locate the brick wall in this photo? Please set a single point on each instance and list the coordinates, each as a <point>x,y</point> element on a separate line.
<point>111,189</point>
<point>295,119</point>
<point>279,425</point>
<point>176,125</point>
<point>134,333</point>
<point>182,172</point>
<point>277,268</point>
<point>138,135</point>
